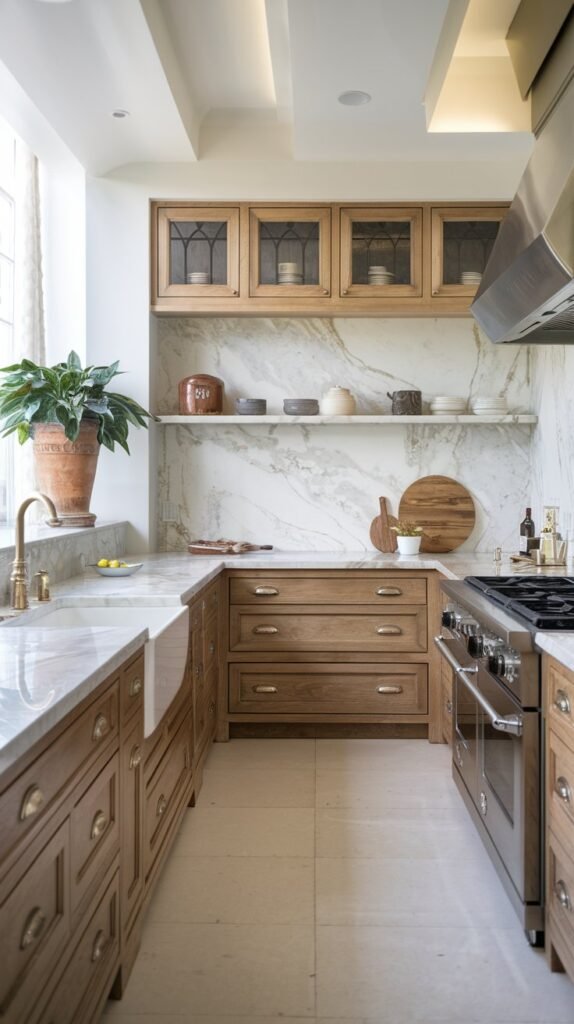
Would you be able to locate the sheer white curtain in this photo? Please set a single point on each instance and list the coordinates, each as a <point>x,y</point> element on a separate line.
<point>29,334</point>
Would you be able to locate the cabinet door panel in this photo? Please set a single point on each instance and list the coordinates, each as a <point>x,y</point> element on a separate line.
<point>197,252</point>
<point>462,240</point>
<point>381,252</point>
<point>289,252</point>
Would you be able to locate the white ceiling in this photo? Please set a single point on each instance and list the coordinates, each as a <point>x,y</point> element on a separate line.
<point>240,79</point>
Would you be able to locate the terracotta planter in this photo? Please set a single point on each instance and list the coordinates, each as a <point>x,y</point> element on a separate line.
<point>65,471</point>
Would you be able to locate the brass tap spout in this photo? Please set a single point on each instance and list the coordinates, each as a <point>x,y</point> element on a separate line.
<point>19,574</point>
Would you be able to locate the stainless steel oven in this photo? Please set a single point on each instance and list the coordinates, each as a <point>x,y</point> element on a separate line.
<point>497,753</point>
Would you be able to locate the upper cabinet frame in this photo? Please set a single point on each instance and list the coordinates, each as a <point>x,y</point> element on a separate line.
<point>325,276</point>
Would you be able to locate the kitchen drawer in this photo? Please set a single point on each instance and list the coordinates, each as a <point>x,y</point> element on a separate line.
<point>89,973</point>
<point>307,589</point>
<point>400,689</point>
<point>400,628</point>
<point>560,700</point>
<point>36,927</point>
<point>33,795</point>
<point>560,806</point>
<point>560,892</point>
<point>95,831</point>
<point>164,794</point>
<point>132,688</point>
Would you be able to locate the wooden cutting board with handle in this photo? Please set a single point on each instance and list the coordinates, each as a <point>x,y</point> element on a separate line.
<point>444,509</point>
<point>382,537</point>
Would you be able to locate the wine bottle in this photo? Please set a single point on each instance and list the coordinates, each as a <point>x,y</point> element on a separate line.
<point>526,532</point>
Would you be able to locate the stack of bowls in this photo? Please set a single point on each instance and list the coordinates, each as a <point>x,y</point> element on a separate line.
<point>380,275</point>
<point>448,405</point>
<point>489,405</point>
<point>251,406</point>
<point>471,278</point>
<point>198,277</point>
<point>289,273</point>
<point>300,406</point>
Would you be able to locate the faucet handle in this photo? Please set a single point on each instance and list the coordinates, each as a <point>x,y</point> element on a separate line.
<point>43,585</point>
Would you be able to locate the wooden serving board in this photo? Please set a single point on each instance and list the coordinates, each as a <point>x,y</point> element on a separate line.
<point>444,509</point>
<point>382,537</point>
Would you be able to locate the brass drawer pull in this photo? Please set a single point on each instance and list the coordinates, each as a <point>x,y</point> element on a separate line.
<point>389,689</point>
<point>161,806</point>
<point>212,647</point>
<point>562,895</point>
<point>33,927</point>
<point>266,591</point>
<point>101,728</point>
<point>135,686</point>
<point>561,702</point>
<point>99,946</point>
<point>135,757</point>
<point>211,708</point>
<point>389,630</point>
<point>264,689</point>
<point>389,591</point>
<point>265,630</point>
<point>448,707</point>
<point>33,800</point>
<point>99,825</point>
<point>562,788</point>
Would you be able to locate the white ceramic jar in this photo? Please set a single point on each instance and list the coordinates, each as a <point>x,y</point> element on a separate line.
<point>409,545</point>
<point>337,401</point>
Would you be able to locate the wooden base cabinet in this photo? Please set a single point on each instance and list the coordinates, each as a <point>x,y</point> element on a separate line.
<point>331,646</point>
<point>558,688</point>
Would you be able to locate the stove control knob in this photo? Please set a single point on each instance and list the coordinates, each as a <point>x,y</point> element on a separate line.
<point>448,619</point>
<point>496,664</point>
<point>475,645</point>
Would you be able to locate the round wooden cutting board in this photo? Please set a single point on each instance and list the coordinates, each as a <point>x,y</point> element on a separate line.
<point>444,509</point>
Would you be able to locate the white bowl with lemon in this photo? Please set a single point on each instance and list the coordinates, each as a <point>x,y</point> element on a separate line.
<point>114,567</point>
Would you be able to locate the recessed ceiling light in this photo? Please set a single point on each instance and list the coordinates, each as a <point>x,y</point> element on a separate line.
<point>120,113</point>
<point>354,98</point>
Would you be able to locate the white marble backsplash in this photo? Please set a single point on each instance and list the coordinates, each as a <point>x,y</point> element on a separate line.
<point>63,553</point>
<point>553,440</point>
<point>317,487</point>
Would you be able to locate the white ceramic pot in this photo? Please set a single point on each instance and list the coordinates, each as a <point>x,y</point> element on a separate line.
<point>409,545</point>
<point>337,401</point>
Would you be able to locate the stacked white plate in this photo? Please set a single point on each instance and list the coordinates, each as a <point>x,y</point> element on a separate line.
<point>380,275</point>
<point>198,277</point>
<point>472,278</point>
<point>289,273</point>
<point>489,405</point>
<point>448,405</point>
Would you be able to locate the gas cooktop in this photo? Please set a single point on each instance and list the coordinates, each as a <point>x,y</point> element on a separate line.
<point>543,602</point>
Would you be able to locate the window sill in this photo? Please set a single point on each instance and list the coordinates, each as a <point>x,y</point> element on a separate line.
<point>37,534</point>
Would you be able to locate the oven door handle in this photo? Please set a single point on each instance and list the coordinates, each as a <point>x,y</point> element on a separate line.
<point>503,723</point>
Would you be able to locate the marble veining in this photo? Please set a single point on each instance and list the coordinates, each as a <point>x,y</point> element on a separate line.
<point>552,463</point>
<point>301,487</point>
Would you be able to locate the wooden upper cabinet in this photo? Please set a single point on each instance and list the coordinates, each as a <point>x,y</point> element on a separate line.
<point>197,252</point>
<point>381,252</point>
<point>462,239</point>
<point>290,252</point>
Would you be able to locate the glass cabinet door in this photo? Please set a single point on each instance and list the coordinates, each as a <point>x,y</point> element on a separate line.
<point>289,252</point>
<point>462,241</point>
<point>381,252</point>
<point>198,251</point>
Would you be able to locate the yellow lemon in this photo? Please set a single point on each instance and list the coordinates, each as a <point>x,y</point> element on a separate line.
<point>123,565</point>
<point>103,563</point>
<point>114,565</point>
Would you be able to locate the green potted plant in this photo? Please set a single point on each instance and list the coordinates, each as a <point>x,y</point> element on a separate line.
<point>408,537</point>
<point>68,413</point>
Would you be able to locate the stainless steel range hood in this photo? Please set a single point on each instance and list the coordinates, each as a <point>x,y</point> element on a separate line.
<point>527,289</point>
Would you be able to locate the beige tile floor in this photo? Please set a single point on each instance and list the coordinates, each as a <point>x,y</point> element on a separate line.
<point>334,882</point>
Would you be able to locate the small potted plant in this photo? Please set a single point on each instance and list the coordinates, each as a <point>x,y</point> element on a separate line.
<point>68,413</point>
<point>408,538</point>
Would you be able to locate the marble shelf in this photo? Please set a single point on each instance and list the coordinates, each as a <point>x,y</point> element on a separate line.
<point>509,419</point>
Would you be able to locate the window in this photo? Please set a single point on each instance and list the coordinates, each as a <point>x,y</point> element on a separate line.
<point>7,193</point>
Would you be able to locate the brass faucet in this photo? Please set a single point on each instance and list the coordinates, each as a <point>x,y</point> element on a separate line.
<point>19,574</point>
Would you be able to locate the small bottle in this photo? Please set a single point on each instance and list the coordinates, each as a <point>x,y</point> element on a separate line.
<point>526,532</point>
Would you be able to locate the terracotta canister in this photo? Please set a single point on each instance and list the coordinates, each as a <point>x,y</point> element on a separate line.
<point>200,395</point>
<point>337,401</point>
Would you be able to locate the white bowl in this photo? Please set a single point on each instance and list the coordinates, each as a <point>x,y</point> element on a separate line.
<point>127,570</point>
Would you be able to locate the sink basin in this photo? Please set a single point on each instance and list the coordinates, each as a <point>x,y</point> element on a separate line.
<point>165,651</point>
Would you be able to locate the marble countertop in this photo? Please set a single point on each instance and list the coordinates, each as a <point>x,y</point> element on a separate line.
<point>43,675</point>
